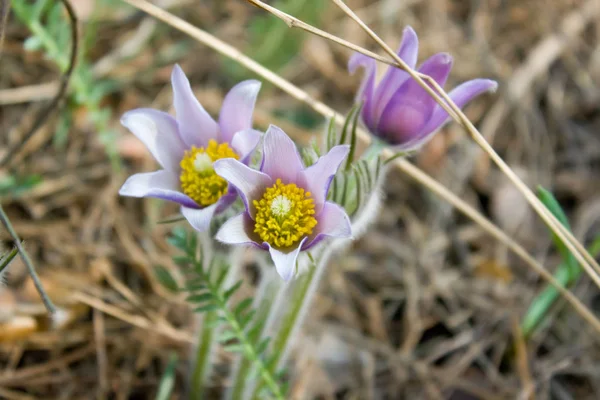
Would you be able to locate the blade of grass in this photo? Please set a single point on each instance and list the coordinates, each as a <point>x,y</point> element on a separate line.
<point>167,382</point>
<point>566,276</point>
<point>567,273</point>
<point>5,261</point>
<point>552,204</point>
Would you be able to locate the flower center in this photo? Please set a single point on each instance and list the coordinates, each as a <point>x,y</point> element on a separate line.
<point>284,215</point>
<point>198,178</point>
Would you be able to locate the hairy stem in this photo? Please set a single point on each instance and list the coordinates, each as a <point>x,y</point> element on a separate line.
<point>245,343</point>
<point>202,362</point>
<point>266,296</point>
<point>293,308</point>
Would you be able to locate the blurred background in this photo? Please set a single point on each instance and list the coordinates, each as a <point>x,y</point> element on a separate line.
<point>425,306</point>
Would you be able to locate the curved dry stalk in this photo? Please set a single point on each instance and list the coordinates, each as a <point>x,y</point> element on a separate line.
<point>585,259</point>
<point>404,165</point>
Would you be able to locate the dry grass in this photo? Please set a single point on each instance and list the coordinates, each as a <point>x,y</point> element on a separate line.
<point>425,305</point>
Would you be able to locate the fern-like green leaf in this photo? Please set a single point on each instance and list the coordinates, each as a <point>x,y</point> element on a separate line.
<point>229,292</point>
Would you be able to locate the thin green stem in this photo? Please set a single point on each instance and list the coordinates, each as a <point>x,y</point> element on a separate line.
<point>266,295</point>
<point>249,350</point>
<point>300,300</point>
<point>288,324</point>
<point>5,261</point>
<point>34,276</point>
<point>245,343</point>
<point>375,148</point>
<point>202,361</point>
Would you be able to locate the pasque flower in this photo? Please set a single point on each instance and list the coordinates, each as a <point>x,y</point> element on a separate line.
<point>285,203</point>
<point>188,145</point>
<point>397,109</point>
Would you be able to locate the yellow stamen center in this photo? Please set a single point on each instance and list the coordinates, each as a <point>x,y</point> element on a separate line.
<point>284,215</point>
<point>198,178</point>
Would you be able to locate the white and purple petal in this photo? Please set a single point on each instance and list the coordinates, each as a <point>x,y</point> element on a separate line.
<point>317,178</point>
<point>280,156</point>
<point>238,230</point>
<point>285,261</point>
<point>332,222</point>
<point>249,183</point>
<point>158,131</point>
<point>159,184</point>
<point>196,126</point>
<point>237,109</point>
<point>227,199</point>
<point>244,143</point>
<point>199,218</point>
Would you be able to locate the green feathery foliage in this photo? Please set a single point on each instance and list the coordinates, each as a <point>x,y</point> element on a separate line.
<point>567,272</point>
<point>208,293</point>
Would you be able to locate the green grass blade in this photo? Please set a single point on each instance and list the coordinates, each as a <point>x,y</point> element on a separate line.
<point>167,381</point>
<point>567,273</point>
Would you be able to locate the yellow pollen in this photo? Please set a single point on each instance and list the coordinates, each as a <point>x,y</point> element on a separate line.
<point>198,178</point>
<point>284,215</point>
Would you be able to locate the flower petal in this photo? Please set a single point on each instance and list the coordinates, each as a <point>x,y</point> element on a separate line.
<point>159,184</point>
<point>158,131</point>
<point>318,176</point>
<point>410,108</point>
<point>285,263</point>
<point>367,86</point>
<point>332,222</point>
<point>195,125</point>
<point>280,156</point>
<point>237,230</point>
<point>199,218</point>
<point>237,109</point>
<point>395,77</point>
<point>249,182</point>
<point>227,199</point>
<point>461,95</point>
<point>244,143</point>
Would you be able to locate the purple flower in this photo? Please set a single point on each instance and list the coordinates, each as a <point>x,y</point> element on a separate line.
<point>286,208</point>
<point>187,146</point>
<point>398,110</point>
